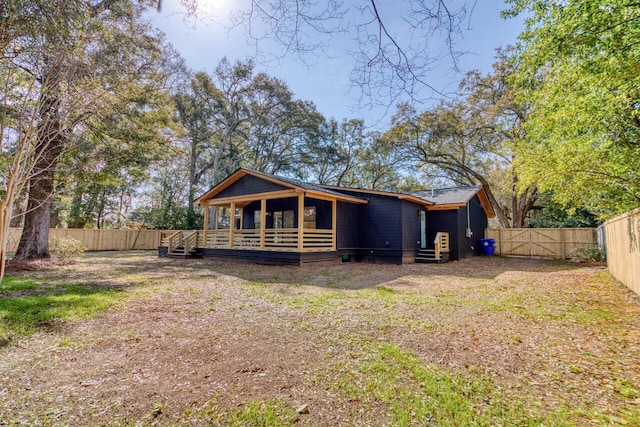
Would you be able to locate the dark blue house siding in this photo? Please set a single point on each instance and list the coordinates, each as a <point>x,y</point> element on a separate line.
<point>479,223</point>
<point>323,212</point>
<point>410,230</point>
<point>446,221</point>
<point>249,215</point>
<point>464,243</point>
<point>249,184</point>
<point>387,228</point>
<point>454,222</point>
<point>347,227</point>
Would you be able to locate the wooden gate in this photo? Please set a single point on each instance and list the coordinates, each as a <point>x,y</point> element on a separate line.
<point>559,243</point>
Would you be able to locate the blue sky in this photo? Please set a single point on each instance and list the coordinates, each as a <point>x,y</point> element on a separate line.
<point>324,79</point>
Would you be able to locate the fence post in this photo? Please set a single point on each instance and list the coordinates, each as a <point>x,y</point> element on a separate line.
<point>563,250</point>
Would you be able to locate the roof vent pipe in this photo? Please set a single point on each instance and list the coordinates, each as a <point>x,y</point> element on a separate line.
<point>432,196</point>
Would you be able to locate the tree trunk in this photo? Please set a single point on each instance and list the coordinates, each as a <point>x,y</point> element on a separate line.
<point>34,242</point>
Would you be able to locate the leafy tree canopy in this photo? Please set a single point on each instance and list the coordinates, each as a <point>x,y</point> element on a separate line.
<point>579,65</point>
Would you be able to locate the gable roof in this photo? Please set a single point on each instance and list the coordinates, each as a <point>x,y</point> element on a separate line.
<point>445,198</point>
<point>290,183</point>
<point>456,197</point>
<point>401,196</point>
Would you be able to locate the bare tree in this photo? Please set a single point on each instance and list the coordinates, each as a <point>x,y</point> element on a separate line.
<point>393,62</point>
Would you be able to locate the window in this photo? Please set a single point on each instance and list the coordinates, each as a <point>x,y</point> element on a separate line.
<point>283,219</point>
<point>287,220</point>
<point>310,217</point>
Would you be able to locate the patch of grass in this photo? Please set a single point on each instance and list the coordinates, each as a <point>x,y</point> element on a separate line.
<point>441,303</point>
<point>602,277</point>
<point>626,389</point>
<point>16,284</point>
<point>251,414</point>
<point>384,294</point>
<point>297,297</point>
<point>316,303</point>
<point>418,394</point>
<point>25,314</point>
<point>546,308</point>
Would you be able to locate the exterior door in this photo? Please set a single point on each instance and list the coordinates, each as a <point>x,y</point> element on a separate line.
<point>423,230</point>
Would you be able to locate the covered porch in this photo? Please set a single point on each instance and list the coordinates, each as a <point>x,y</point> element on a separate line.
<point>258,217</point>
<point>287,221</point>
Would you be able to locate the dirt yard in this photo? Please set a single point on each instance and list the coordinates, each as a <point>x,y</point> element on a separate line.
<point>490,341</point>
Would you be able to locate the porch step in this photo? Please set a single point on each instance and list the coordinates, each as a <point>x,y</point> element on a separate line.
<point>429,256</point>
<point>179,253</point>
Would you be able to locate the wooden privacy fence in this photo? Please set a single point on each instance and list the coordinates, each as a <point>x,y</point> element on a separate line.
<point>622,235</point>
<point>558,243</point>
<point>101,240</point>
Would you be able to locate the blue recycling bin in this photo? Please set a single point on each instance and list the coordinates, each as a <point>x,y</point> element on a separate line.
<point>488,246</point>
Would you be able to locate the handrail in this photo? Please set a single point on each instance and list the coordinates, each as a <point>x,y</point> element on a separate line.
<point>174,241</point>
<point>190,241</point>
<point>441,243</point>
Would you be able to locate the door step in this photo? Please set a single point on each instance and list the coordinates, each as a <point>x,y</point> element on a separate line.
<point>428,256</point>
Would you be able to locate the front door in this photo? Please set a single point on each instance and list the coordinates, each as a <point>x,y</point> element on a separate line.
<point>423,230</point>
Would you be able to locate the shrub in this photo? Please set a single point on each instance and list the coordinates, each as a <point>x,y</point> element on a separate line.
<point>65,247</point>
<point>590,253</point>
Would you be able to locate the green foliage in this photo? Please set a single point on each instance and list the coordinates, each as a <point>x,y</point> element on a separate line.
<point>591,253</point>
<point>552,214</point>
<point>331,156</point>
<point>579,66</point>
<point>251,414</point>
<point>66,247</point>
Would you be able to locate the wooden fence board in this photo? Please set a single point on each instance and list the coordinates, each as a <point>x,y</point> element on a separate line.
<point>101,240</point>
<point>558,243</point>
<point>623,248</point>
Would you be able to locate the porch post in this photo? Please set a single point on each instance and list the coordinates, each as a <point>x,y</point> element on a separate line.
<point>263,221</point>
<point>216,236</point>
<point>232,223</point>
<point>334,222</point>
<point>300,221</point>
<point>206,224</point>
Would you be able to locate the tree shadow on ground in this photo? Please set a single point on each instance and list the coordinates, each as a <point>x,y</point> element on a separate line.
<point>357,275</point>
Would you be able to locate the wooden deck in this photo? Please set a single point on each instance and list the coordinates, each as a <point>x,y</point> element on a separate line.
<point>280,240</point>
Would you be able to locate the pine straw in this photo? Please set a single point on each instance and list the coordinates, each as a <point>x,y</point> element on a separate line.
<point>195,332</point>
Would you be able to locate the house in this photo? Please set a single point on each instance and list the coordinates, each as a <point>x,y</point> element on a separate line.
<point>269,219</point>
